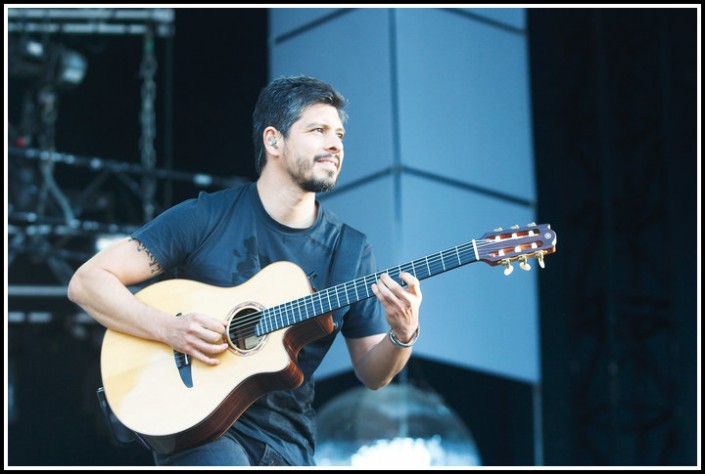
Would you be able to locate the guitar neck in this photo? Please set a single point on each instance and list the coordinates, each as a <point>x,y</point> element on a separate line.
<point>345,294</point>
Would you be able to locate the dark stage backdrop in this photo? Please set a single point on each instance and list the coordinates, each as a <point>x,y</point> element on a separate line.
<point>615,129</point>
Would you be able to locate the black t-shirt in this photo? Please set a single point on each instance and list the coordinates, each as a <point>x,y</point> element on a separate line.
<point>225,238</point>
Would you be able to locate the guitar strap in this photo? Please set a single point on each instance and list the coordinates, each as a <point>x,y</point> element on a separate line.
<point>347,256</point>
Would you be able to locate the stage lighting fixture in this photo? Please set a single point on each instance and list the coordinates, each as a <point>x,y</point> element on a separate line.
<point>71,69</point>
<point>51,63</point>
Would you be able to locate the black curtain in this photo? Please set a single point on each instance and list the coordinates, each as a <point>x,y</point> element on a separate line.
<point>615,127</point>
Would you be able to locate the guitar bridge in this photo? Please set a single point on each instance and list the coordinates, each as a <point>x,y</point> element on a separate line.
<point>183,364</point>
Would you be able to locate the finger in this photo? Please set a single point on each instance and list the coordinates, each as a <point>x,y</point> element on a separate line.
<point>409,279</point>
<point>205,358</point>
<point>390,282</point>
<point>207,349</point>
<point>378,292</point>
<point>206,328</point>
<point>384,292</point>
<point>207,322</point>
<point>211,336</point>
<point>393,303</point>
<point>412,283</point>
<point>214,348</point>
<point>404,294</point>
<point>400,294</point>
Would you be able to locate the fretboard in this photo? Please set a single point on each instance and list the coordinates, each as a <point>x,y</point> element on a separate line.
<point>345,294</point>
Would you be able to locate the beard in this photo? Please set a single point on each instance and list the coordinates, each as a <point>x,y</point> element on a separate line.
<point>308,181</point>
<point>317,185</point>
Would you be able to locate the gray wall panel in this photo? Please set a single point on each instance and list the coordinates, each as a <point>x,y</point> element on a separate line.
<point>464,101</point>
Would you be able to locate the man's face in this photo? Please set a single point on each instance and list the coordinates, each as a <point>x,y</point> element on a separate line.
<point>313,151</point>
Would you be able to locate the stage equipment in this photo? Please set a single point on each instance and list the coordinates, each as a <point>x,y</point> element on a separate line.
<point>46,62</point>
<point>45,220</point>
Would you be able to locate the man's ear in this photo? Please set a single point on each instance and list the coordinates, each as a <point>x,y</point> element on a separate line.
<point>271,140</point>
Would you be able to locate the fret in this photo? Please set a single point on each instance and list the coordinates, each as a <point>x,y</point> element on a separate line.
<point>272,320</point>
<point>320,302</point>
<point>337,297</point>
<point>281,317</point>
<point>306,308</point>
<point>346,293</point>
<point>264,322</point>
<point>298,309</point>
<point>293,308</point>
<point>284,314</point>
<point>312,299</point>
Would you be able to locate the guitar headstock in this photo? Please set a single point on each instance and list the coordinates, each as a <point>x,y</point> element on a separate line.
<point>517,244</point>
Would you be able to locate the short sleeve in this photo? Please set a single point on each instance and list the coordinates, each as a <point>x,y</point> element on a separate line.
<point>175,233</point>
<point>366,317</point>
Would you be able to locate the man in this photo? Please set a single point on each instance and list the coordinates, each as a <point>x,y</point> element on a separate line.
<point>225,238</point>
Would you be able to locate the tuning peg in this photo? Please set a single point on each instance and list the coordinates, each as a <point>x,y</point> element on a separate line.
<point>524,264</point>
<point>542,264</point>
<point>531,224</point>
<point>508,267</point>
<point>498,229</point>
<point>515,226</point>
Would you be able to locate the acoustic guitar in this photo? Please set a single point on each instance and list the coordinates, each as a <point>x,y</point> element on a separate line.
<point>173,402</point>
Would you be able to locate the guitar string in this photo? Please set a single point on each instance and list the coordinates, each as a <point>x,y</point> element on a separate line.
<point>249,322</point>
<point>246,325</point>
<point>308,300</point>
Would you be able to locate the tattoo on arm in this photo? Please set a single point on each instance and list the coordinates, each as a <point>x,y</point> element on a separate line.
<point>154,265</point>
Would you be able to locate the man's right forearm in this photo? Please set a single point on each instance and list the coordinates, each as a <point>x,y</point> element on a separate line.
<point>111,303</point>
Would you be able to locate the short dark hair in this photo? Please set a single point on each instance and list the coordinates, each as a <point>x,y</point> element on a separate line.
<point>282,103</point>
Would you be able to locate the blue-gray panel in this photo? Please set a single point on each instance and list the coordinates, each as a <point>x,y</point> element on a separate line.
<point>368,208</point>
<point>513,17</point>
<point>464,101</point>
<point>352,53</point>
<point>285,20</point>
<point>473,316</point>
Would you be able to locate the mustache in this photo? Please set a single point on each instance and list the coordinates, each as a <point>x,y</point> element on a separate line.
<point>327,157</point>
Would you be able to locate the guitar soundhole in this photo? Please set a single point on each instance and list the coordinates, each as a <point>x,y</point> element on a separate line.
<point>241,333</point>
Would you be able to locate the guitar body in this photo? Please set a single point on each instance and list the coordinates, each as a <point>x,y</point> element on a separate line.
<point>142,378</point>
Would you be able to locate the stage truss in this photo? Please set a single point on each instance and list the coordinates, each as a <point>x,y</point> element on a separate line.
<point>47,226</point>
